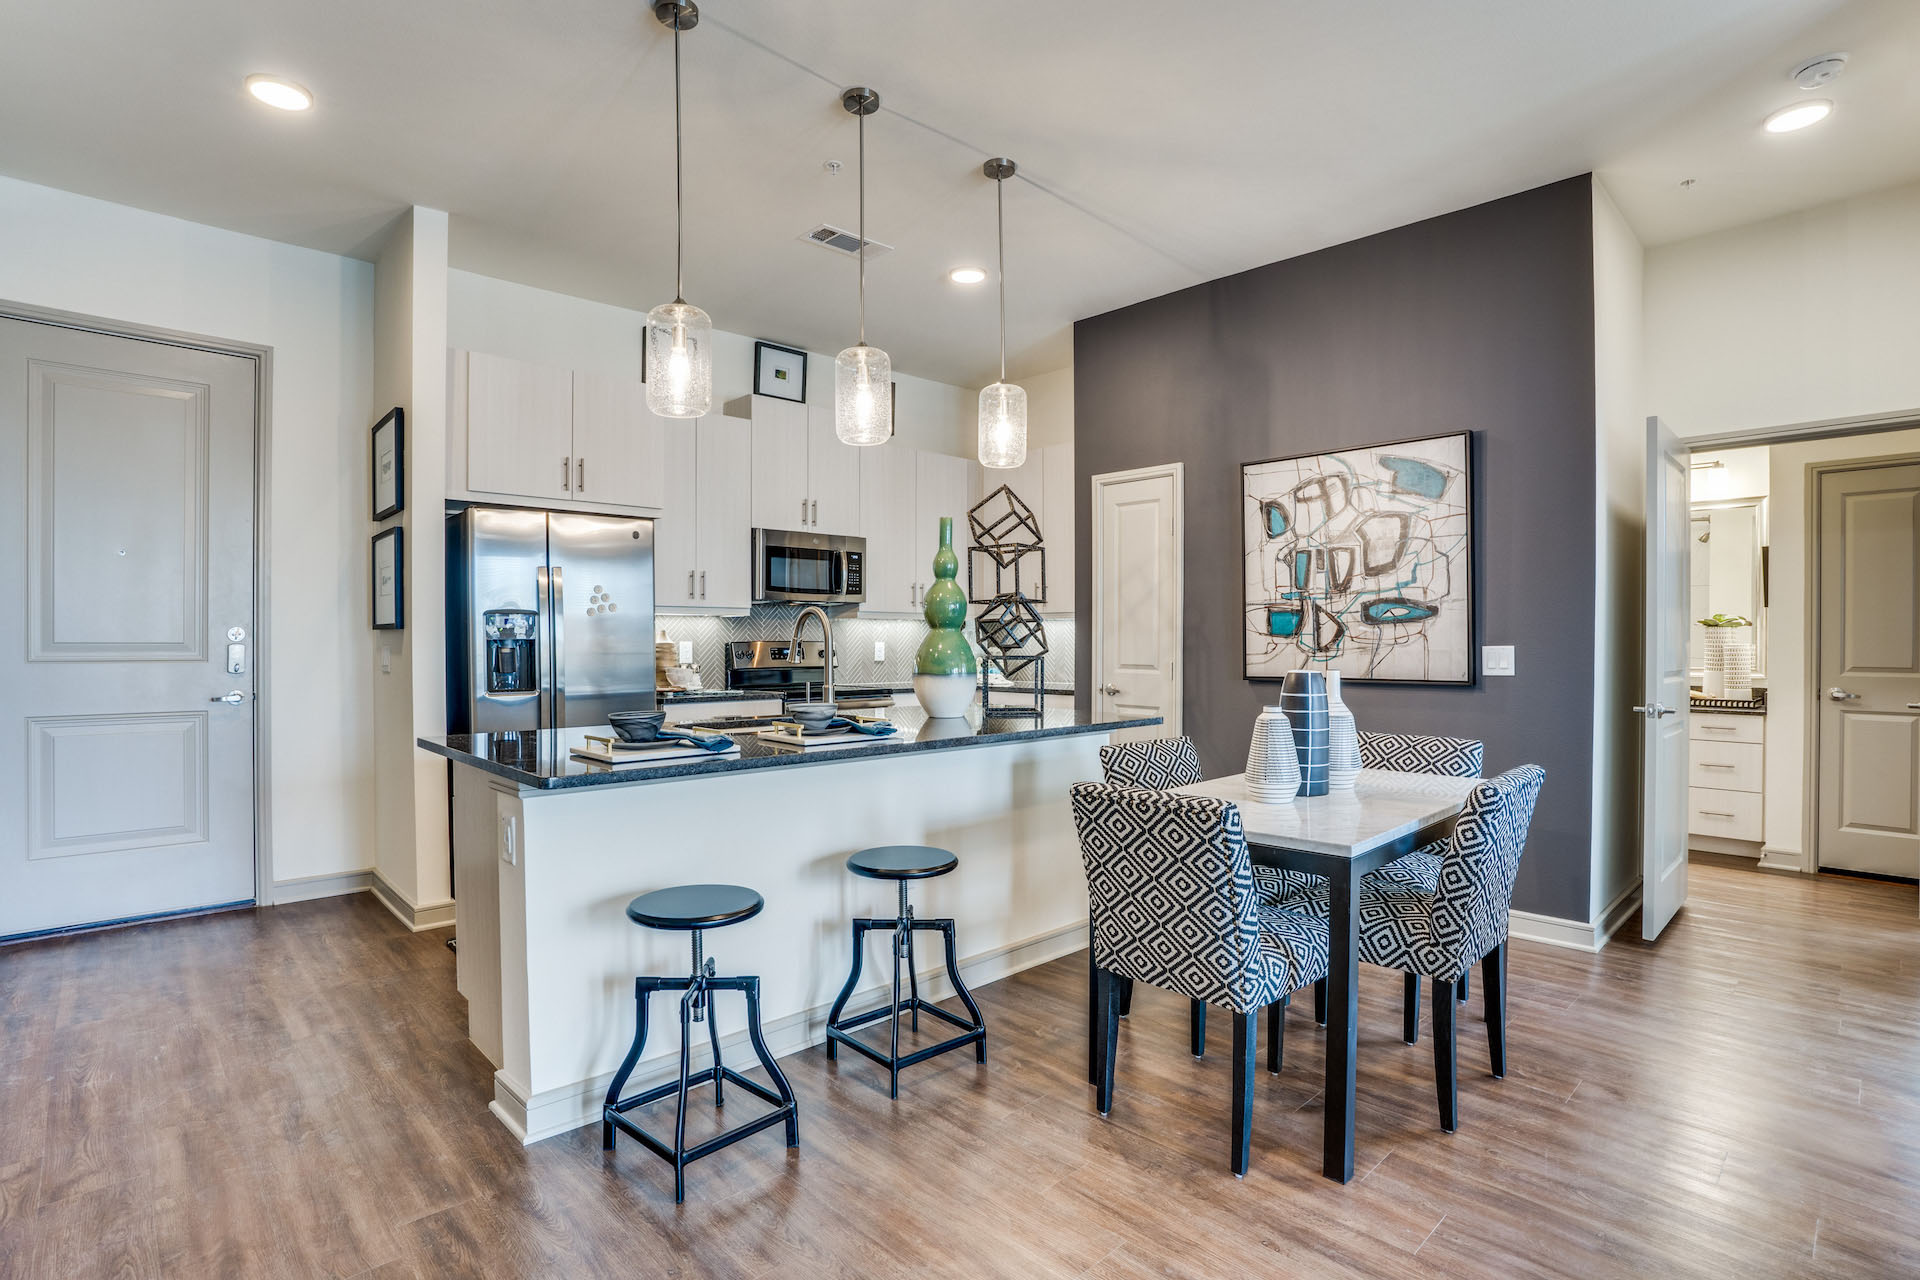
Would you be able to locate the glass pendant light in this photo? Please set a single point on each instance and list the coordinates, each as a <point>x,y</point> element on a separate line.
<point>862,375</point>
<point>1003,406</point>
<point>679,336</point>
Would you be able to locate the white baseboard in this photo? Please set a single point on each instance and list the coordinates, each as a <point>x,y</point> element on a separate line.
<point>1575,935</point>
<point>1720,844</point>
<point>427,915</point>
<point>558,1110</point>
<point>1772,859</point>
<point>307,888</point>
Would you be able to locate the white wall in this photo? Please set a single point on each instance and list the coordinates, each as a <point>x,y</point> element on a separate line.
<point>508,319</point>
<point>316,311</point>
<point>1790,674</point>
<point>1049,408</point>
<point>1803,318</point>
<point>1620,515</point>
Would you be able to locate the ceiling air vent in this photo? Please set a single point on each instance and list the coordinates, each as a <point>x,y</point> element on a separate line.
<point>841,240</point>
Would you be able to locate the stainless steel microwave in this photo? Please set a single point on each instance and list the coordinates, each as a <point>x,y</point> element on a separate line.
<point>817,568</point>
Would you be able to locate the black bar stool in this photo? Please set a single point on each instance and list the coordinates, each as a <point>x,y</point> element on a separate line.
<point>901,863</point>
<point>693,908</point>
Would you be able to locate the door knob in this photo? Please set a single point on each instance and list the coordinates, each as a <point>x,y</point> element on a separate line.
<point>233,696</point>
<point>1837,694</point>
<point>1110,689</point>
<point>1655,711</point>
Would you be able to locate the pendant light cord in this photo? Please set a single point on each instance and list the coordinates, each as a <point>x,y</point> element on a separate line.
<point>1000,217</point>
<point>863,227</point>
<point>679,214</point>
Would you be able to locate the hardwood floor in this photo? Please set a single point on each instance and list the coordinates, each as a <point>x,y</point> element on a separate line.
<point>289,1093</point>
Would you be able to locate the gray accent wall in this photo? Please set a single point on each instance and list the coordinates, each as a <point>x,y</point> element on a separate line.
<point>1480,320</point>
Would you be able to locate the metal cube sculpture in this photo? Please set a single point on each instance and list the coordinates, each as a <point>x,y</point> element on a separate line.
<point>1009,630</point>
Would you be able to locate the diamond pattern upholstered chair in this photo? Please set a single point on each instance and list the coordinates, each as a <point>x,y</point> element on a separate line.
<point>1160,764</point>
<point>1441,932</point>
<point>1174,905</point>
<point>1416,753</point>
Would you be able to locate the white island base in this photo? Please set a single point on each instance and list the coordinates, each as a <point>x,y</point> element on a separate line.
<point>547,956</point>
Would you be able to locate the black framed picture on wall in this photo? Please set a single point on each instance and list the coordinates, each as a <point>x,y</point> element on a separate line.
<point>780,372</point>
<point>389,579</point>
<point>1360,561</point>
<point>389,449</point>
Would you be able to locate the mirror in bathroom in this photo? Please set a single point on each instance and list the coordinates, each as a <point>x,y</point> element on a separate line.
<point>1729,546</point>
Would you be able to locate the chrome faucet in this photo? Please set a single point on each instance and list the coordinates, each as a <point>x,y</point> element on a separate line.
<point>826,648</point>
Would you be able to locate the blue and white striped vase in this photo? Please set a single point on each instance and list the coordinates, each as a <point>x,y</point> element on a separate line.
<point>1273,767</point>
<point>1303,696</point>
<point>1343,740</point>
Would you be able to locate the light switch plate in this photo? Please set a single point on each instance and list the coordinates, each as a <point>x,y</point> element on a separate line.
<point>686,652</point>
<point>879,650</point>
<point>506,830</point>
<point>1496,660</point>
<point>386,661</point>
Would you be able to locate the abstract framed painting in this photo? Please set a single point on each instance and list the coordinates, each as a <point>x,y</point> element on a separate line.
<point>1361,561</point>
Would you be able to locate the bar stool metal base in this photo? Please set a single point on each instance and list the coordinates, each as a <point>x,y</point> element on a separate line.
<point>698,988</point>
<point>839,1030</point>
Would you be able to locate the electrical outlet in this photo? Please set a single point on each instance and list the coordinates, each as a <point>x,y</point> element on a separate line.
<point>507,831</point>
<point>386,661</point>
<point>879,650</point>
<point>686,652</point>
<point>1496,660</point>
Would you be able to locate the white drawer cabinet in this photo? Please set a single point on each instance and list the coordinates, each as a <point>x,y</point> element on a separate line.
<point>1726,758</point>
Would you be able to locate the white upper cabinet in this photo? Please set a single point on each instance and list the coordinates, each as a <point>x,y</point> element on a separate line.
<point>702,540</point>
<point>943,486</point>
<point>1058,507</point>
<point>519,428</point>
<point>833,475</point>
<point>616,443</point>
<point>780,440</point>
<point>569,440</point>
<point>888,478</point>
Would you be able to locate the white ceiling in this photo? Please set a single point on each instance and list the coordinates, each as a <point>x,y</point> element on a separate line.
<point>1160,145</point>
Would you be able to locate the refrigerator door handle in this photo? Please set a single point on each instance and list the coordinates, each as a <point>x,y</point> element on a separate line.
<point>556,627</point>
<point>542,604</point>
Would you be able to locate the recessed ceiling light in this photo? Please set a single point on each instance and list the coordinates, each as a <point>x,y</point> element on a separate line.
<point>275,92</point>
<point>1799,116</point>
<point>966,275</point>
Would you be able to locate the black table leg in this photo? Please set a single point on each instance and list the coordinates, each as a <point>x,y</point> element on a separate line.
<point>1343,1021</point>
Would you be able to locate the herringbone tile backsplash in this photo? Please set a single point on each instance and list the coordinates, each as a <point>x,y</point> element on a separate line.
<point>853,640</point>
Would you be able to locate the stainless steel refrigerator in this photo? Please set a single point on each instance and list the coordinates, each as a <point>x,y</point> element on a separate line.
<point>549,619</point>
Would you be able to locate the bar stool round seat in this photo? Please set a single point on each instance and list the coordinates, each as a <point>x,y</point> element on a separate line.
<point>902,862</point>
<point>692,909</point>
<point>695,906</point>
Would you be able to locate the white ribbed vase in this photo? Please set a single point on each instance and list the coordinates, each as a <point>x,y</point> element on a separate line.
<point>1273,766</point>
<point>1737,663</point>
<point>1713,663</point>
<point>1343,739</point>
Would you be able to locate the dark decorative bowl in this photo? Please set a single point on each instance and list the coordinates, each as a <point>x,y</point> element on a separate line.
<point>811,714</point>
<point>637,726</point>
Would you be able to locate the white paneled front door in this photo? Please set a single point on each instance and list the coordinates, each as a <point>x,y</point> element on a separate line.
<point>1137,531</point>
<point>127,564</point>
<point>1666,691</point>
<point>1869,690</point>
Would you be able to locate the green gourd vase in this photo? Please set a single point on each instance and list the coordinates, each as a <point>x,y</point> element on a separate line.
<point>945,669</point>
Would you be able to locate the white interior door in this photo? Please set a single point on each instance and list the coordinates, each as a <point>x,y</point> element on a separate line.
<point>1663,800</point>
<point>1869,668</point>
<point>1137,534</point>
<point>126,565</point>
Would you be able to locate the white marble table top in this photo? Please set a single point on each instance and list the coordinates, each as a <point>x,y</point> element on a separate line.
<point>1383,806</point>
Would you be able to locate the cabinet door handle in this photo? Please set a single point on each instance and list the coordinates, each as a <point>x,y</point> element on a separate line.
<point>1708,764</point>
<point>1714,813</point>
<point>1717,728</point>
<point>566,475</point>
<point>689,584</point>
<point>816,513</point>
<point>703,584</point>
<point>803,511</point>
<point>580,484</point>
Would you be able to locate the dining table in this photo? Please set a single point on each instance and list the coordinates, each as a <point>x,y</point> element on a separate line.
<point>1343,835</point>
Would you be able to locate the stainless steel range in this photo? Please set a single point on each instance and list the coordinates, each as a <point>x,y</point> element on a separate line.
<point>798,673</point>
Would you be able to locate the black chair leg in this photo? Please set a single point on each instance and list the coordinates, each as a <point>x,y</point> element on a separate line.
<point>1446,1075</point>
<point>713,1039</point>
<point>1126,996</point>
<point>640,992</point>
<point>853,980</point>
<point>1410,1009</point>
<point>1320,1002</point>
<point>1109,1040</point>
<point>1276,1034</point>
<point>1242,1123</point>
<point>680,1109</point>
<point>1493,996</point>
<point>1197,1028</point>
<point>1094,1024</point>
<point>960,988</point>
<point>1460,987</point>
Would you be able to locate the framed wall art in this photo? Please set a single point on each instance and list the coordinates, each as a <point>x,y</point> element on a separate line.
<point>389,585</point>
<point>389,465</point>
<point>779,371</point>
<point>1361,561</point>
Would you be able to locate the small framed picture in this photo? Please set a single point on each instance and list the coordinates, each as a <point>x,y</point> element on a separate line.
<point>779,371</point>
<point>389,465</point>
<point>389,587</point>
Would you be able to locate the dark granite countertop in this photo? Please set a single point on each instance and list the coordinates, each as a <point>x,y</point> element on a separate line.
<point>543,758</point>
<point>677,697</point>
<point>1754,706</point>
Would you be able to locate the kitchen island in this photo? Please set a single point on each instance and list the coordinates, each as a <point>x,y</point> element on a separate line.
<point>549,848</point>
